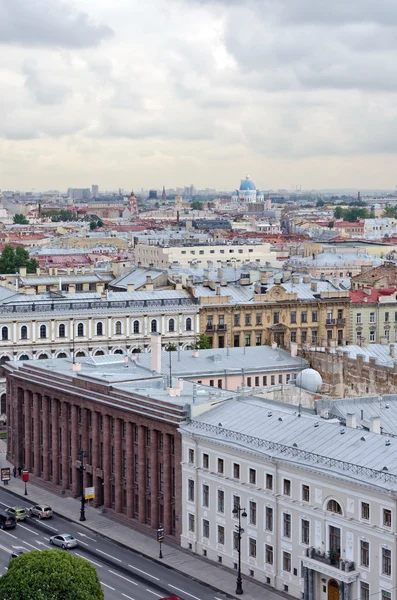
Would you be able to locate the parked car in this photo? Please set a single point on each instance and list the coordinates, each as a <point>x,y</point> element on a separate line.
<point>17,552</point>
<point>16,511</point>
<point>42,511</point>
<point>64,540</point>
<point>7,521</point>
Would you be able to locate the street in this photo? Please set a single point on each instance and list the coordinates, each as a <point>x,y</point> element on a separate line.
<point>123,573</point>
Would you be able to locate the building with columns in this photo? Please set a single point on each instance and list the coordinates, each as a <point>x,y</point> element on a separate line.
<point>319,496</point>
<point>117,419</point>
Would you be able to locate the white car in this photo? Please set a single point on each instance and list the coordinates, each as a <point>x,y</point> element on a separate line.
<point>64,540</point>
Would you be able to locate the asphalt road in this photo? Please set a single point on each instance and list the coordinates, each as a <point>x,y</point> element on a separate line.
<point>129,577</point>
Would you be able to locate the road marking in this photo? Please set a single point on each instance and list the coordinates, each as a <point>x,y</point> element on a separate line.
<point>108,586</point>
<point>183,591</point>
<point>144,572</point>
<point>154,593</point>
<point>49,526</point>
<point>125,596</point>
<point>81,542</point>
<point>27,529</point>
<point>122,577</point>
<point>42,544</point>
<point>112,557</point>
<point>85,535</point>
<point>89,560</point>
<point>5,549</point>
<point>8,533</point>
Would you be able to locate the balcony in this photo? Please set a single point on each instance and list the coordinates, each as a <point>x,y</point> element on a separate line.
<point>341,321</point>
<point>222,327</point>
<point>210,327</point>
<point>332,559</point>
<point>330,322</point>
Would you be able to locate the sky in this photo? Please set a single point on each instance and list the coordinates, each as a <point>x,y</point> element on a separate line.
<point>141,94</point>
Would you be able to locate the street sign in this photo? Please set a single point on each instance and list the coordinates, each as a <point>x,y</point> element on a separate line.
<point>25,475</point>
<point>89,493</point>
<point>5,474</point>
<point>160,534</point>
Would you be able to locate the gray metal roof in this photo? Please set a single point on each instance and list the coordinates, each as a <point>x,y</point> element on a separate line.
<point>67,279</point>
<point>379,351</point>
<point>383,406</point>
<point>251,424</point>
<point>137,277</point>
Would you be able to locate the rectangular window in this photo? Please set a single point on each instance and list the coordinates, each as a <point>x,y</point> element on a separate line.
<point>293,316</point>
<point>387,317</point>
<point>364,554</point>
<point>272,380</point>
<point>386,595</point>
<point>365,511</point>
<point>268,554</point>
<point>305,493</point>
<point>248,339</point>
<point>252,547</point>
<point>236,341</point>
<point>269,481</point>
<point>264,380</point>
<point>258,339</point>
<point>236,471</point>
<point>269,519</point>
<point>303,337</point>
<point>191,522</point>
<point>236,320</point>
<point>252,513</point>
<point>236,502</point>
<point>206,495</point>
<point>221,465</point>
<point>206,528</point>
<point>259,318</point>
<point>364,590</point>
<point>191,457</point>
<point>206,461</point>
<point>314,316</point>
<point>280,379</point>
<point>386,561</point>
<point>287,487</point>
<point>221,501</point>
<point>387,517</point>
<point>249,382</point>
<point>235,540</point>
<point>276,318</point>
<point>305,532</point>
<point>252,473</point>
<point>190,492</point>
<point>287,562</point>
<point>372,317</point>
<point>248,319</point>
<point>221,535</point>
<point>358,319</point>
<point>211,383</point>
<point>314,336</point>
<point>287,525</point>
<point>304,317</point>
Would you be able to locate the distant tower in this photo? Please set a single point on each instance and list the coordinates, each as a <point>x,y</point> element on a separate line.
<point>359,196</point>
<point>132,203</point>
<point>163,196</point>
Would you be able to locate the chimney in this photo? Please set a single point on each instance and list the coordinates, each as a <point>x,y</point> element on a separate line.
<point>22,271</point>
<point>314,286</point>
<point>218,290</point>
<point>155,344</point>
<point>196,354</point>
<point>130,288</point>
<point>293,348</point>
<point>322,276</point>
<point>306,279</point>
<point>38,271</point>
<point>76,367</point>
<point>295,278</point>
<point>220,273</point>
<point>392,350</point>
<point>351,420</point>
<point>274,345</point>
<point>374,424</point>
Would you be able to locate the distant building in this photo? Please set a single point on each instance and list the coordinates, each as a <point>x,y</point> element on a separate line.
<point>94,191</point>
<point>248,192</point>
<point>79,193</point>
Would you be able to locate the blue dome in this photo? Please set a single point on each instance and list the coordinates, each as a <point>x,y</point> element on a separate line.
<point>247,185</point>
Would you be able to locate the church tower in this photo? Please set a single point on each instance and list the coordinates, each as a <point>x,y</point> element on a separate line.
<point>163,196</point>
<point>132,204</point>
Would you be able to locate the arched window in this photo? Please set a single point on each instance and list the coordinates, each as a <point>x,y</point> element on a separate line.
<point>99,328</point>
<point>99,353</point>
<point>62,331</point>
<point>4,359</point>
<point>334,506</point>
<point>118,328</point>
<point>118,351</point>
<point>24,357</point>
<point>3,407</point>
<point>80,330</point>
<point>43,332</point>
<point>136,326</point>
<point>4,333</point>
<point>188,324</point>
<point>24,332</point>
<point>43,356</point>
<point>80,354</point>
<point>153,326</point>
<point>171,325</point>
<point>61,355</point>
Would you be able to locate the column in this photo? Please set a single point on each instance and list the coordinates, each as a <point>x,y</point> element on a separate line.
<point>154,489</point>
<point>311,584</point>
<point>33,331</point>
<point>74,452</point>
<point>130,470</point>
<point>118,467</point>
<point>55,441</point>
<point>65,437</point>
<point>46,461</point>
<point>127,328</point>
<point>106,462</point>
<point>142,474</point>
<point>14,332</point>
<point>167,485</point>
<point>178,482</point>
<point>28,431</point>
<point>90,328</point>
<point>52,330</point>
<point>36,438</point>
<point>95,456</point>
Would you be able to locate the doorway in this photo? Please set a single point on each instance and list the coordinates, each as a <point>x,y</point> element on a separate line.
<point>333,590</point>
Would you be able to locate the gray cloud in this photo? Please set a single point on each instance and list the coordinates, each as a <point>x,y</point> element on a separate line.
<point>44,91</point>
<point>48,23</point>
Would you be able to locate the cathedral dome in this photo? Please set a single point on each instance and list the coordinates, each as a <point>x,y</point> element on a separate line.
<point>247,185</point>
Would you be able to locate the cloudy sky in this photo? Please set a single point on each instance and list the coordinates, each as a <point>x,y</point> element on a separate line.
<point>151,92</point>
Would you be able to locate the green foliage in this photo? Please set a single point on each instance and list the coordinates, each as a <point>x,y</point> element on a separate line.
<point>95,224</point>
<point>197,205</point>
<point>331,224</point>
<point>171,348</point>
<point>351,214</point>
<point>204,343</point>
<point>12,259</point>
<point>50,575</point>
<point>58,216</point>
<point>100,223</point>
<point>320,203</point>
<point>20,219</point>
<point>390,212</point>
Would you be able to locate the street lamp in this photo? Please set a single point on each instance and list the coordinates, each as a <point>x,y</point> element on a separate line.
<point>240,512</point>
<point>82,456</point>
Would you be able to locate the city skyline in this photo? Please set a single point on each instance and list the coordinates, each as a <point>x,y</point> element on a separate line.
<point>136,95</point>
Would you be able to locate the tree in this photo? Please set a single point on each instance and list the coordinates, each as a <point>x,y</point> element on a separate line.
<point>50,575</point>
<point>331,224</point>
<point>338,212</point>
<point>197,205</point>
<point>11,260</point>
<point>93,225</point>
<point>170,348</point>
<point>390,211</point>
<point>320,203</point>
<point>204,342</point>
<point>100,223</point>
<point>20,219</point>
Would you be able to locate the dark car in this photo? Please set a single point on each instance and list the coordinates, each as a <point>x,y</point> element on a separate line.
<point>7,521</point>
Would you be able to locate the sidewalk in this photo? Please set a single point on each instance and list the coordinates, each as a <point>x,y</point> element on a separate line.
<point>196,567</point>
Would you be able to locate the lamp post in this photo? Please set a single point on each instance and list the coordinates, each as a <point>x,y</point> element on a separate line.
<point>239,512</point>
<point>25,479</point>
<point>82,456</point>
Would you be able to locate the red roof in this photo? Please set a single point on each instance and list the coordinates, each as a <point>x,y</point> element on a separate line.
<point>359,296</point>
<point>348,224</point>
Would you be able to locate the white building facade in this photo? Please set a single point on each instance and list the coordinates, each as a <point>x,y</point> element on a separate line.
<point>317,526</point>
